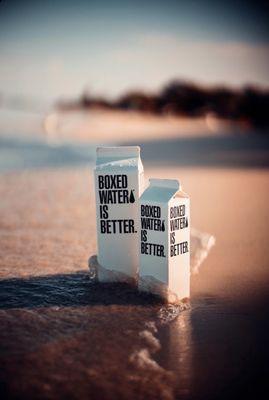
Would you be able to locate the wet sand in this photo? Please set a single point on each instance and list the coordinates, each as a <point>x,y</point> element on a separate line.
<point>64,336</point>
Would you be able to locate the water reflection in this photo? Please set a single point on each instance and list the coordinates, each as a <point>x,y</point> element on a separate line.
<point>176,354</point>
<point>181,352</point>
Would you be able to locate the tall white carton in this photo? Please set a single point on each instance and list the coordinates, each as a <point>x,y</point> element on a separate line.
<point>118,185</point>
<point>165,240</point>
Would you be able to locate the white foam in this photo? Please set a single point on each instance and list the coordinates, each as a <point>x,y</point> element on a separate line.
<point>142,359</point>
<point>150,325</point>
<point>201,244</point>
<point>169,312</point>
<point>150,339</point>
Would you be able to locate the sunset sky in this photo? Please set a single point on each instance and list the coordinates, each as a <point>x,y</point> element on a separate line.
<point>53,49</point>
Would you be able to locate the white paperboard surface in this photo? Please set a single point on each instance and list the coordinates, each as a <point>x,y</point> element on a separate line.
<point>118,185</point>
<point>165,237</point>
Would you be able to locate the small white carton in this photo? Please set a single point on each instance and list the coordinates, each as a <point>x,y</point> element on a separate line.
<point>165,240</point>
<point>118,185</point>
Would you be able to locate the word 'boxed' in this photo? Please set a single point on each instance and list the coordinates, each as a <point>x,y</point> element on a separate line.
<point>165,240</point>
<point>118,186</point>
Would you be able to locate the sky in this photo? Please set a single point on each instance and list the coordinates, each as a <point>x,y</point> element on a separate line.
<point>59,49</point>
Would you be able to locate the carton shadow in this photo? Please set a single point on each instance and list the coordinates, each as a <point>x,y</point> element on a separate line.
<point>68,290</point>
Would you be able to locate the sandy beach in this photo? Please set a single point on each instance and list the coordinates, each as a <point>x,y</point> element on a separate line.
<point>64,336</point>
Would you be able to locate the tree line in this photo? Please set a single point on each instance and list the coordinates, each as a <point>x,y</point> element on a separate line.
<point>249,105</point>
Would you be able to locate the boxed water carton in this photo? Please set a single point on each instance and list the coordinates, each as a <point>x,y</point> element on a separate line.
<point>165,240</point>
<point>118,186</point>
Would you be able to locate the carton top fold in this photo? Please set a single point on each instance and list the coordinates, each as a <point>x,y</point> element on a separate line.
<point>117,157</point>
<point>161,190</point>
<point>165,183</point>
